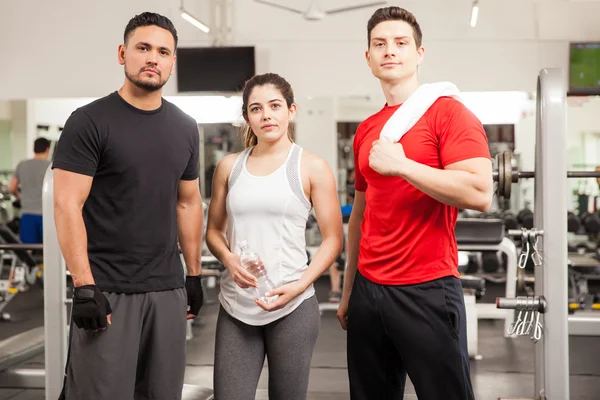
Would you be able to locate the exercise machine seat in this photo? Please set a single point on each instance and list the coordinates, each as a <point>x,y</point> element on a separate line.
<point>479,231</point>
<point>21,347</point>
<point>191,392</point>
<point>10,238</point>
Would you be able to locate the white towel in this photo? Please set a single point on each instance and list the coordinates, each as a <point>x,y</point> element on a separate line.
<point>409,113</point>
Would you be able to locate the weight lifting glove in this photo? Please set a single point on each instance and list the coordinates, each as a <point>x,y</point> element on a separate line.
<point>195,297</point>
<point>90,308</point>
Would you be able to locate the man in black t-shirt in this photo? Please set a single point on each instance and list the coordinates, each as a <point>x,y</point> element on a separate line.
<point>126,194</point>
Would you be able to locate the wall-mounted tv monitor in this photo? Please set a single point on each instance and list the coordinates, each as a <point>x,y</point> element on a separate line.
<point>214,69</point>
<point>584,69</point>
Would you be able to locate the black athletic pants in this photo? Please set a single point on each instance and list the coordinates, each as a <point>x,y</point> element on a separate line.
<point>419,330</point>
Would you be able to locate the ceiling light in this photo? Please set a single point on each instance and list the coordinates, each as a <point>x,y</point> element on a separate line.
<point>193,20</point>
<point>474,13</point>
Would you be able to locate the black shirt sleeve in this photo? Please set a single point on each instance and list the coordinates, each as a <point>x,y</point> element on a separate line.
<point>192,170</point>
<point>79,146</point>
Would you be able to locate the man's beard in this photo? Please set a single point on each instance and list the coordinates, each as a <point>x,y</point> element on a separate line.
<point>148,86</point>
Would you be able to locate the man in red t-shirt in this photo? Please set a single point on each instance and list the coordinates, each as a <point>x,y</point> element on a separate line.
<point>402,303</point>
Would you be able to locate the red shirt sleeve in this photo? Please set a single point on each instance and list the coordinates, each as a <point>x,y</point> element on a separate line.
<point>461,134</point>
<point>360,183</point>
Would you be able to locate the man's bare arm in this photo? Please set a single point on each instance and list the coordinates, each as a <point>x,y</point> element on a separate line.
<point>465,184</point>
<point>70,193</point>
<point>13,187</point>
<point>190,223</point>
<point>352,247</point>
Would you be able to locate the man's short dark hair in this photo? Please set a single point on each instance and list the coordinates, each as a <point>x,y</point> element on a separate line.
<point>394,14</point>
<point>41,145</point>
<point>149,19</point>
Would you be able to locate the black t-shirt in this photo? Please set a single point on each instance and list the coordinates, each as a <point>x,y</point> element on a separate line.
<point>137,159</point>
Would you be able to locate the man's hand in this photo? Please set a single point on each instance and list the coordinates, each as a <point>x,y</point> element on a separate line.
<point>387,158</point>
<point>285,294</point>
<point>342,312</point>
<point>195,296</point>
<point>91,309</point>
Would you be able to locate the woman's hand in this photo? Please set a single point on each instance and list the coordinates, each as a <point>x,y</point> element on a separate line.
<point>285,294</point>
<point>240,275</point>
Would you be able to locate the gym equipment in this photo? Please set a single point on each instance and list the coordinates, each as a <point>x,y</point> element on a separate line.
<point>482,235</point>
<point>31,261</point>
<point>505,175</point>
<point>528,323</point>
<point>55,330</point>
<point>582,269</point>
<point>510,219</point>
<point>590,222</point>
<point>490,262</point>
<point>548,242</point>
<point>474,283</point>
<point>473,289</point>
<point>472,264</point>
<point>18,269</point>
<point>525,218</point>
<point>14,225</point>
<point>573,222</point>
<point>15,350</point>
<point>25,345</point>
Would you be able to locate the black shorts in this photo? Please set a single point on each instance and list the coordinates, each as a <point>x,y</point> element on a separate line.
<point>416,329</point>
<point>141,356</point>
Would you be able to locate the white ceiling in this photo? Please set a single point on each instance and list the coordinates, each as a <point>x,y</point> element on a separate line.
<point>439,19</point>
<point>68,47</point>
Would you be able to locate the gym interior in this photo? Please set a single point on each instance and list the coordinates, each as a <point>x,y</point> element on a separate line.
<point>528,69</point>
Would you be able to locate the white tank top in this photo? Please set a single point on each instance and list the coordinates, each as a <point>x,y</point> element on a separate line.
<point>270,212</point>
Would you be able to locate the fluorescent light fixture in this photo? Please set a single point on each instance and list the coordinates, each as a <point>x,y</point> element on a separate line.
<point>194,21</point>
<point>474,13</point>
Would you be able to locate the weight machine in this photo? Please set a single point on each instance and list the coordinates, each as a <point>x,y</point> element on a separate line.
<point>544,315</point>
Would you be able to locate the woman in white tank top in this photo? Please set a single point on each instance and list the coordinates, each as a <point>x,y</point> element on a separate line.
<point>263,195</point>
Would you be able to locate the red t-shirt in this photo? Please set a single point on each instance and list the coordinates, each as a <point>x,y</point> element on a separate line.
<point>408,236</point>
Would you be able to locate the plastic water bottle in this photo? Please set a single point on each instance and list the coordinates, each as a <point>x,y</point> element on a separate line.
<point>253,264</point>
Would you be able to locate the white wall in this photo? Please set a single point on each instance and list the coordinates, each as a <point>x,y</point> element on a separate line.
<point>513,40</point>
<point>4,110</point>
<point>316,129</point>
<point>19,128</point>
<point>5,146</point>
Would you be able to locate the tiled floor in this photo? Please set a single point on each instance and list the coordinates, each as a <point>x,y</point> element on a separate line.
<point>506,369</point>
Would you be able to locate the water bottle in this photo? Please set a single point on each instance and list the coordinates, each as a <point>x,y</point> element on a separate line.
<point>251,262</point>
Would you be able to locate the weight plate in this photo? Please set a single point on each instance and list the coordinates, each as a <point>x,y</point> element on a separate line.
<point>520,279</point>
<point>500,159</point>
<point>507,174</point>
<point>514,174</point>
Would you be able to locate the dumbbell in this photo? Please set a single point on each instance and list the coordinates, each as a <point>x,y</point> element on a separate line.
<point>472,264</point>
<point>525,218</point>
<point>510,220</point>
<point>573,222</point>
<point>489,261</point>
<point>590,222</point>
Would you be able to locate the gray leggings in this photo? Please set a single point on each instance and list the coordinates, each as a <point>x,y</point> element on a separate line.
<point>288,344</point>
